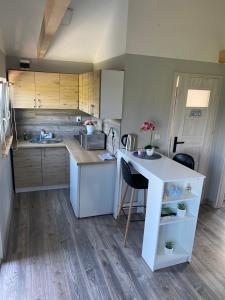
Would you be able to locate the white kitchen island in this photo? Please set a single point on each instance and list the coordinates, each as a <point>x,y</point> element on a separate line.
<point>162,173</point>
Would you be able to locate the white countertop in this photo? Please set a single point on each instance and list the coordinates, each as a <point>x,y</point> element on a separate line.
<point>164,168</point>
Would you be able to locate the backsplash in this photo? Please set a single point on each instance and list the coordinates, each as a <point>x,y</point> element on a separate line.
<point>62,123</point>
<point>115,125</point>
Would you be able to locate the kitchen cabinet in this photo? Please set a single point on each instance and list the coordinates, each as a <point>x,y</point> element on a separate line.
<point>41,90</point>
<point>23,89</point>
<point>47,89</point>
<point>27,167</point>
<point>92,195</point>
<point>54,166</point>
<point>38,168</point>
<point>69,93</point>
<point>102,93</point>
<point>84,83</point>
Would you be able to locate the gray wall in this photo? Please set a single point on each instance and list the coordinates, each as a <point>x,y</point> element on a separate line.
<point>12,63</point>
<point>116,63</point>
<point>148,91</point>
<point>147,96</point>
<point>6,190</point>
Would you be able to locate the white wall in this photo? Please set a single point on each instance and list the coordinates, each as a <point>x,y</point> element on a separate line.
<point>192,30</point>
<point>114,40</point>
<point>6,189</point>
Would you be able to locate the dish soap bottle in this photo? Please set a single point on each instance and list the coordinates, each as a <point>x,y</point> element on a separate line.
<point>25,136</point>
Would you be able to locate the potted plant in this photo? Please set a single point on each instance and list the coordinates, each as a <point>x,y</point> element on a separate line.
<point>90,126</point>
<point>181,209</point>
<point>168,248</point>
<point>149,126</point>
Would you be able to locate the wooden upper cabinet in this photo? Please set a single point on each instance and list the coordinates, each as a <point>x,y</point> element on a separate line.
<point>96,93</point>
<point>83,92</point>
<point>22,89</point>
<point>69,91</point>
<point>101,94</point>
<point>47,90</point>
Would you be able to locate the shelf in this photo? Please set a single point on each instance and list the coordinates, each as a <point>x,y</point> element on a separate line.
<point>175,219</point>
<point>179,255</point>
<point>184,197</point>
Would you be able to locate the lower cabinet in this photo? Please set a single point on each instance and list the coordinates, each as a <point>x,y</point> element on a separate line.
<point>27,167</point>
<point>40,167</point>
<point>92,188</point>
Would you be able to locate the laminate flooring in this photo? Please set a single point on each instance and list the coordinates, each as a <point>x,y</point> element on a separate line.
<point>52,255</point>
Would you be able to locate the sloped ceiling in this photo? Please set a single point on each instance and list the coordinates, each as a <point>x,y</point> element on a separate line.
<point>20,23</point>
<point>81,40</point>
<point>192,30</point>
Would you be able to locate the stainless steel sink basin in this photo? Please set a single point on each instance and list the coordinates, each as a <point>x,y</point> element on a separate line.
<point>47,141</point>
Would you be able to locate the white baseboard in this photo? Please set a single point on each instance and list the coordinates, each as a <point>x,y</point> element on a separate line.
<point>42,188</point>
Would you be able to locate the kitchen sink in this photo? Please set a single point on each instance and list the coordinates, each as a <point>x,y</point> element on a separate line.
<point>47,141</point>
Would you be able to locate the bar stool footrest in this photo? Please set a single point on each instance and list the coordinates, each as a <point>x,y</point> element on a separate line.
<point>133,207</point>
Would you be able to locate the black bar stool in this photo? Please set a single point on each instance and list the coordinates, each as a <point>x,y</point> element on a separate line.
<point>185,159</point>
<point>136,182</point>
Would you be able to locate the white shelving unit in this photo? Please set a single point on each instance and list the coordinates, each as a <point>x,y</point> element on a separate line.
<point>180,230</point>
<point>161,174</point>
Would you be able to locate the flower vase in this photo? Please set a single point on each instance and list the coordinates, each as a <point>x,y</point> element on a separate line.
<point>90,129</point>
<point>150,152</point>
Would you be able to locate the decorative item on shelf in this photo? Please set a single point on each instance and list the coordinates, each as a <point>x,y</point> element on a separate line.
<point>149,126</point>
<point>90,126</point>
<point>168,248</point>
<point>181,209</point>
<point>141,152</point>
<point>188,188</point>
<point>167,212</point>
<point>173,190</point>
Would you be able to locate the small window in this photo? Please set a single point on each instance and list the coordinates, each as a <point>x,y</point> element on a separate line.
<point>198,98</point>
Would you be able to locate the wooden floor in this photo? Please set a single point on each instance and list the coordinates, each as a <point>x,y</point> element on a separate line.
<point>52,255</point>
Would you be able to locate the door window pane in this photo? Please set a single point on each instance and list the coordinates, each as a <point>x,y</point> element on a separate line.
<point>198,98</point>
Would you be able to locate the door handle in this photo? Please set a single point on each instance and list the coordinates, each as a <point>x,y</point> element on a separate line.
<point>175,143</point>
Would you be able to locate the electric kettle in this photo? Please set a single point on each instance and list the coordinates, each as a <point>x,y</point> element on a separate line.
<point>129,141</point>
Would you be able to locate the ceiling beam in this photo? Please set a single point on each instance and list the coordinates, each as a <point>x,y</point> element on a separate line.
<point>53,15</point>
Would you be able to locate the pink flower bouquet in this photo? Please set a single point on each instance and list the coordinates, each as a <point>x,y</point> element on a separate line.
<point>149,126</point>
<point>89,122</point>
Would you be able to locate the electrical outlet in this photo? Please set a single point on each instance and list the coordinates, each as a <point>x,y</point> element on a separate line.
<point>78,119</point>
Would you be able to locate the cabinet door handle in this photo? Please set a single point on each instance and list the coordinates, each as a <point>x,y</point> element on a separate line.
<point>35,103</point>
<point>39,101</point>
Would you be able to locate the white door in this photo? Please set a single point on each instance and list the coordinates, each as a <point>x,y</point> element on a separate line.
<point>194,109</point>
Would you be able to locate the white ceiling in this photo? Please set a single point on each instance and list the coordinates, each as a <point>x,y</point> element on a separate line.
<point>20,23</point>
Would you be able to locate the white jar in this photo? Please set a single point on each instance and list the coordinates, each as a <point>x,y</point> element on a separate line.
<point>181,212</point>
<point>168,251</point>
<point>90,129</point>
<point>150,152</point>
